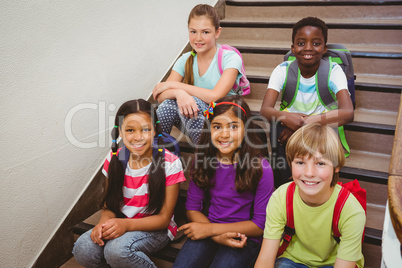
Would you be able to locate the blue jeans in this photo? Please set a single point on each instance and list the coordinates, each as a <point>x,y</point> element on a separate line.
<point>286,263</point>
<point>129,250</point>
<point>207,253</point>
<point>169,114</point>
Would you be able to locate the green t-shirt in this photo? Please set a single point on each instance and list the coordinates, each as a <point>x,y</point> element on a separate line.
<point>313,244</point>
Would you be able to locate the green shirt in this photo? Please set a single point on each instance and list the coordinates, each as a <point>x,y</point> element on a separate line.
<point>313,244</point>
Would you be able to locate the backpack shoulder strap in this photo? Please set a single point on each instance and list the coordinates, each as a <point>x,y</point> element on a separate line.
<point>124,156</point>
<point>322,76</point>
<point>291,85</point>
<point>290,225</point>
<point>220,56</point>
<point>340,202</point>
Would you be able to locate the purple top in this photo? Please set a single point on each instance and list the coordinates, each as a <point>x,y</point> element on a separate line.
<point>227,205</point>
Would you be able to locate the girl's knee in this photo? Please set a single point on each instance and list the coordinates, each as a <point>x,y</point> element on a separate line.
<point>126,257</point>
<point>86,252</point>
<point>167,104</point>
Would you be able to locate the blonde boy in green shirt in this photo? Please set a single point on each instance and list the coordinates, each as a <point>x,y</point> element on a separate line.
<point>316,156</point>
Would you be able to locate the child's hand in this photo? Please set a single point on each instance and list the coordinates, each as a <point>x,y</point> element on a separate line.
<point>196,230</point>
<point>160,87</point>
<point>96,235</point>
<point>293,121</point>
<point>285,135</point>
<point>231,239</point>
<point>186,103</point>
<point>113,228</point>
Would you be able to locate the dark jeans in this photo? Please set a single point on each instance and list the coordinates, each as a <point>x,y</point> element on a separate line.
<point>207,253</point>
<point>281,169</point>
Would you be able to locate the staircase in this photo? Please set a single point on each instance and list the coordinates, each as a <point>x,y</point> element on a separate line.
<point>372,31</point>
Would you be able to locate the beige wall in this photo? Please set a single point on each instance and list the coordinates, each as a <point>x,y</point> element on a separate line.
<point>64,68</point>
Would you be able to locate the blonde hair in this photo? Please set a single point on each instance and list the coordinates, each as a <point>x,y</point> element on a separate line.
<point>199,11</point>
<point>313,138</point>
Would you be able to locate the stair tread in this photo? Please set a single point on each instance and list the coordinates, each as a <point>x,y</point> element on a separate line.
<point>255,43</point>
<point>361,115</point>
<point>376,117</point>
<point>283,2</point>
<point>392,80</point>
<point>368,161</point>
<point>328,21</point>
<point>364,78</point>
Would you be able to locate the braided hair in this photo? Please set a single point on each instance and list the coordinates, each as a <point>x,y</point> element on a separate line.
<point>113,199</point>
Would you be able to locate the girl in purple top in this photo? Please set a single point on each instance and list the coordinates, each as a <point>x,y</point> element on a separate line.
<point>231,175</point>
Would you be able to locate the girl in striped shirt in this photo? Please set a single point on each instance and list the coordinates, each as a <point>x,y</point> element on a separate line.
<point>137,216</point>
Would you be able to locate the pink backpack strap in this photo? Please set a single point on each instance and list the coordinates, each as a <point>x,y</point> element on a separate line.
<point>290,224</point>
<point>220,55</point>
<point>340,202</point>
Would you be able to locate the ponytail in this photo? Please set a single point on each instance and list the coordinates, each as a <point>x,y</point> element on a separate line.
<point>157,176</point>
<point>188,69</point>
<point>113,199</point>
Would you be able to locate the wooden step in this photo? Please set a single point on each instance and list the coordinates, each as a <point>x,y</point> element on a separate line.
<point>351,38</point>
<point>378,101</point>
<point>369,161</point>
<point>355,14</point>
<point>267,57</point>
<point>364,141</point>
<point>363,82</point>
<point>326,4</point>
<point>375,121</point>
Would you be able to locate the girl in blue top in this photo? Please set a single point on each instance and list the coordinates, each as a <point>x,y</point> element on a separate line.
<point>195,80</point>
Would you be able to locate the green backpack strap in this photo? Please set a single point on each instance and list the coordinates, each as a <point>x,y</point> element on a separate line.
<point>342,137</point>
<point>291,85</point>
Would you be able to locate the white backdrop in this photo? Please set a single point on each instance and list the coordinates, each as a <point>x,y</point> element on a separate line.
<point>65,67</point>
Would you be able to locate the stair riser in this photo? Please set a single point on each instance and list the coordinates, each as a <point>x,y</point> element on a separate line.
<point>370,100</point>
<point>370,142</point>
<point>374,100</point>
<point>372,255</point>
<point>353,36</point>
<point>285,13</point>
<point>378,66</point>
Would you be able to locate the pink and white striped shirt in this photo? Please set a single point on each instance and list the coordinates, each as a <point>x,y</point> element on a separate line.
<point>135,189</point>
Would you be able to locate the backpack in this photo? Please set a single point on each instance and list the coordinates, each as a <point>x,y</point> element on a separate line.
<point>347,188</point>
<point>335,53</point>
<point>169,141</point>
<point>243,87</point>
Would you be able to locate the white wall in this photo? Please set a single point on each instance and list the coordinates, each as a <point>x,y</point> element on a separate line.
<point>62,62</point>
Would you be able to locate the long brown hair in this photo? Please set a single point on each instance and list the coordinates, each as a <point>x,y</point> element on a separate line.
<point>113,199</point>
<point>250,150</point>
<point>199,11</point>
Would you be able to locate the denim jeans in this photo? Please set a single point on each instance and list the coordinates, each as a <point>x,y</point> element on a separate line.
<point>129,250</point>
<point>207,253</point>
<point>286,263</point>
